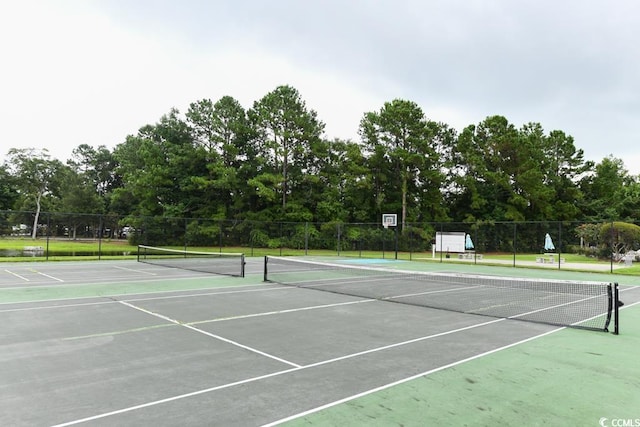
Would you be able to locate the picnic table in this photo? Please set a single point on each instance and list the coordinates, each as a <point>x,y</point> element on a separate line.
<point>548,259</point>
<point>469,255</point>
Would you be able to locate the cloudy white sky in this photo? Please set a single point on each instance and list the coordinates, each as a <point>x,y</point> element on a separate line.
<point>91,72</point>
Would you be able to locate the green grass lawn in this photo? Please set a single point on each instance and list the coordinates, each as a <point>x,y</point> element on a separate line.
<point>63,249</point>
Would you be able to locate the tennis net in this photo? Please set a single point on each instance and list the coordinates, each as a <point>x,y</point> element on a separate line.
<point>230,264</point>
<point>585,305</point>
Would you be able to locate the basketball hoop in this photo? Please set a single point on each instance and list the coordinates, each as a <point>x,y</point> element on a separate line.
<point>389,220</point>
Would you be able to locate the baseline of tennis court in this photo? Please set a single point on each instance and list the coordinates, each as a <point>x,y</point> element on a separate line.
<point>117,343</point>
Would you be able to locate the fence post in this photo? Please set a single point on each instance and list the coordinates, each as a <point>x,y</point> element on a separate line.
<point>411,244</point>
<point>48,234</point>
<point>251,237</point>
<point>100,231</point>
<point>477,241</point>
<point>186,243</point>
<point>441,243</point>
<point>145,227</point>
<point>559,243</point>
<point>306,238</point>
<point>515,242</point>
<point>611,249</point>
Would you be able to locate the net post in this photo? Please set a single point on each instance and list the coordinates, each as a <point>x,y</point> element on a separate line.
<point>616,309</point>
<point>610,304</point>
<point>242,264</point>
<point>264,276</point>
<point>138,254</point>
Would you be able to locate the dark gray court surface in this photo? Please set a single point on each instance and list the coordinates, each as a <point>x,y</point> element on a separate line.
<point>228,351</point>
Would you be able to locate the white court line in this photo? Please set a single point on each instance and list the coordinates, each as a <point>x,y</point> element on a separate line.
<point>56,306</point>
<point>108,281</point>
<point>221,319</point>
<point>278,373</point>
<point>218,337</point>
<point>386,386</point>
<point>271,288</point>
<point>17,275</point>
<point>134,270</point>
<point>404,380</point>
<point>46,275</point>
<point>111,300</point>
<point>432,292</point>
<point>516,316</point>
<point>289,310</point>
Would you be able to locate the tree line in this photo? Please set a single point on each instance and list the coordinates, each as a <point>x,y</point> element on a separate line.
<point>272,162</point>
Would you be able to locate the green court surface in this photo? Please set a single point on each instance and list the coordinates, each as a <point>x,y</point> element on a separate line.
<point>565,378</point>
<point>340,361</point>
<point>85,290</point>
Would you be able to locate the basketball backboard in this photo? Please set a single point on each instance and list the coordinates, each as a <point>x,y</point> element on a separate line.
<point>389,220</point>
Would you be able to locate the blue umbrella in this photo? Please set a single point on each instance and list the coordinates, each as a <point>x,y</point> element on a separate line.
<point>468,243</point>
<point>548,243</point>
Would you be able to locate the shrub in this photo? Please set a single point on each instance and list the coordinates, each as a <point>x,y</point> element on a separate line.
<point>621,237</point>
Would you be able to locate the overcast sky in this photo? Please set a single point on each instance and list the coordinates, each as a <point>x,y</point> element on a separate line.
<point>91,72</point>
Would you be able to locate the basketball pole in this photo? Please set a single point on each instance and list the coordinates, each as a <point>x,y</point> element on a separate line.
<point>391,220</point>
<point>396,240</point>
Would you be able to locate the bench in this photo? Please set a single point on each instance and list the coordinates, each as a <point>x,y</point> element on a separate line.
<point>469,255</point>
<point>548,260</point>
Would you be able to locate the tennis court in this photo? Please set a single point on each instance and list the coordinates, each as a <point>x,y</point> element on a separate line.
<point>131,343</point>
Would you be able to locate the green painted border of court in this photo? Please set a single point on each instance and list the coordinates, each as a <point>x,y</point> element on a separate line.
<point>24,294</point>
<point>570,377</point>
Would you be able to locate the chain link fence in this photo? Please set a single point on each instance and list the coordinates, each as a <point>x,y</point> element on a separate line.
<point>542,243</point>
